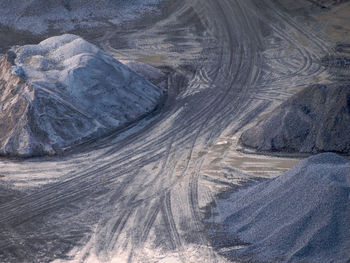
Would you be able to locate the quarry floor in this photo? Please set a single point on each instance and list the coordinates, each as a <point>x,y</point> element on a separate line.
<point>144,194</point>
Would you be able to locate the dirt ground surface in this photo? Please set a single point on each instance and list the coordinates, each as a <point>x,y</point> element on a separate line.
<point>142,195</point>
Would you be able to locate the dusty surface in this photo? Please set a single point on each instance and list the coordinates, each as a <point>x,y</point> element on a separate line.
<point>317,118</point>
<point>337,24</point>
<point>140,196</point>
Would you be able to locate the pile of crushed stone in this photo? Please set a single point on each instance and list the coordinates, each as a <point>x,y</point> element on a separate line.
<point>316,119</point>
<point>38,16</point>
<point>300,216</point>
<point>64,91</point>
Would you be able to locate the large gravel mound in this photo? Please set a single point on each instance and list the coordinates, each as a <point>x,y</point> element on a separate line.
<point>317,119</point>
<point>64,90</point>
<point>300,216</point>
<point>38,16</point>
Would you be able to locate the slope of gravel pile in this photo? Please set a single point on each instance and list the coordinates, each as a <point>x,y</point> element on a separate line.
<point>300,216</point>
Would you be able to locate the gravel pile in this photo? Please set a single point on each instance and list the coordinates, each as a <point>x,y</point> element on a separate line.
<point>63,91</point>
<point>300,216</point>
<point>317,119</point>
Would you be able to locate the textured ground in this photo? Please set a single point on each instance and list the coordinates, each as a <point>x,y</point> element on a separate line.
<point>141,195</point>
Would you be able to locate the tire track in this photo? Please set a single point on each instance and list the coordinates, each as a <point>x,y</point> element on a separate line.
<point>169,222</point>
<point>151,217</point>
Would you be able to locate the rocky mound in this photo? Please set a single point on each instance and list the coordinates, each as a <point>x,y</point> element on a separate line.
<point>64,90</point>
<point>317,119</point>
<point>300,216</point>
<point>38,16</point>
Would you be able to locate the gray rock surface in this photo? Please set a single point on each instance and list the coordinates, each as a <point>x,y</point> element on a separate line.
<point>300,216</point>
<point>317,119</point>
<point>64,90</point>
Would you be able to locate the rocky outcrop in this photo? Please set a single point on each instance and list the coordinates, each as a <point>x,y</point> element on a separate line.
<point>300,216</point>
<point>63,91</point>
<point>317,119</point>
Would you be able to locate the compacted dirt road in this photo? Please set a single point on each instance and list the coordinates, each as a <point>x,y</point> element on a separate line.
<point>140,195</point>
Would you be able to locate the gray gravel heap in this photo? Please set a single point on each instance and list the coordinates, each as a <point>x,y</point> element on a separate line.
<point>63,91</point>
<point>300,216</point>
<point>40,16</point>
<point>317,119</point>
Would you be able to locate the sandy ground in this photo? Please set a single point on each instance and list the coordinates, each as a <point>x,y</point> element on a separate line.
<point>142,195</point>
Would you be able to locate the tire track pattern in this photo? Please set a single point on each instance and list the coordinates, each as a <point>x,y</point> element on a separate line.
<point>126,191</point>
